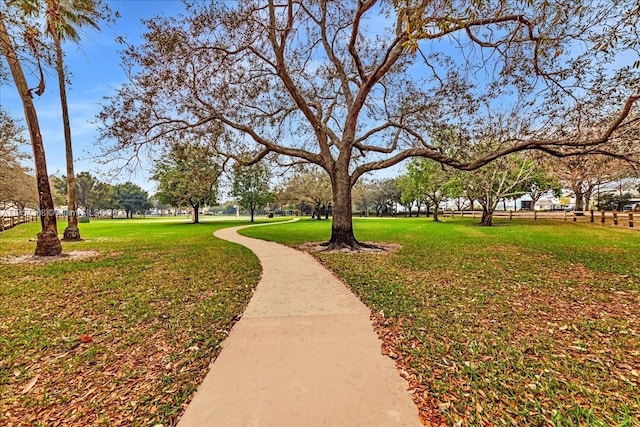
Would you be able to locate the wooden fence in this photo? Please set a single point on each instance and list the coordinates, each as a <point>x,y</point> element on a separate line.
<point>624,219</point>
<point>11,221</point>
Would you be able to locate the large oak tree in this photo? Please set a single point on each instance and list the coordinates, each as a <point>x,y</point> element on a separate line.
<point>358,86</point>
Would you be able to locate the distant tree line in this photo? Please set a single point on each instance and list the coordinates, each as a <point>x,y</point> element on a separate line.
<point>425,184</point>
<point>94,195</point>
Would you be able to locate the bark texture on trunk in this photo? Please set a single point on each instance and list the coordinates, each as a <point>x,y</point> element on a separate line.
<point>71,232</point>
<point>195,216</point>
<point>48,243</point>
<point>579,198</point>
<point>487,217</point>
<point>342,225</point>
<point>435,214</point>
<point>587,199</point>
<point>534,200</point>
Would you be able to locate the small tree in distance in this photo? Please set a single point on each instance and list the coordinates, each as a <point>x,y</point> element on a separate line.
<point>431,181</point>
<point>188,175</point>
<point>21,193</point>
<point>309,185</point>
<point>500,179</point>
<point>251,187</point>
<point>14,182</point>
<point>131,198</point>
<point>542,182</point>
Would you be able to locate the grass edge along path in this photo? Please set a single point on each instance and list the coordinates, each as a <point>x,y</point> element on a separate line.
<point>124,337</point>
<point>526,323</point>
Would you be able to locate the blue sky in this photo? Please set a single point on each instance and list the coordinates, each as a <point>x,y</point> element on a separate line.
<point>96,71</point>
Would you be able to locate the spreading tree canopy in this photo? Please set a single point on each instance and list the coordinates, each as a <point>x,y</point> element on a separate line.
<point>358,86</point>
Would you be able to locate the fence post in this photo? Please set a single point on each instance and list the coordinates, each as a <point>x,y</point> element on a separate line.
<point>565,215</point>
<point>510,214</point>
<point>592,216</point>
<point>630,220</point>
<point>2,226</point>
<point>575,218</point>
<point>615,218</point>
<point>535,215</point>
<point>602,213</point>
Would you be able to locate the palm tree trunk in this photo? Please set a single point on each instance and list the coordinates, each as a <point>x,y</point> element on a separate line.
<point>48,243</point>
<point>71,233</point>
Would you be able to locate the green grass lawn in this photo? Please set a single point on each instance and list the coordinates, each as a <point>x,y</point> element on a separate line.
<point>526,323</point>
<point>154,302</point>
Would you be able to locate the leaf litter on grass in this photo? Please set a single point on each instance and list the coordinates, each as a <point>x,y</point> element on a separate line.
<point>547,343</point>
<point>110,341</point>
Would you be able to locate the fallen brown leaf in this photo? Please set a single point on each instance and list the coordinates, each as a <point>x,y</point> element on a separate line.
<point>32,382</point>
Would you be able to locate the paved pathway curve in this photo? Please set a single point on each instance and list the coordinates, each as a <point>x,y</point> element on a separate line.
<point>304,353</point>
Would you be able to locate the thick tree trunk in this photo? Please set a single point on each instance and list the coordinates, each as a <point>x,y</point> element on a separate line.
<point>48,243</point>
<point>195,216</point>
<point>71,232</point>
<point>534,200</point>
<point>487,217</point>
<point>342,225</point>
<point>579,199</point>
<point>435,213</point>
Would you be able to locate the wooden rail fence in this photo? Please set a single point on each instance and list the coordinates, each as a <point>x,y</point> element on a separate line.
<point>11,221</point>
<point>624,219</point>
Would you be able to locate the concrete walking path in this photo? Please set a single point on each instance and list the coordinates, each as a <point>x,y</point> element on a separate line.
<point>304,353</point>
